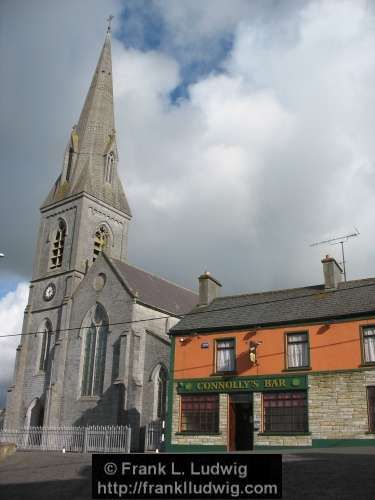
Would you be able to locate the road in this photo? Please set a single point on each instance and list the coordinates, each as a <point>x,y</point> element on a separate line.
<point>338,474</point>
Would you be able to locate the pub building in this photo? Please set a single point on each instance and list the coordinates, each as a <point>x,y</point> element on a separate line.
<point>285,368</point>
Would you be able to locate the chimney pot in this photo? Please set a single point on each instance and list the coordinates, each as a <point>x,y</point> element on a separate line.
<point>209,288</point>
<point>332,272</point>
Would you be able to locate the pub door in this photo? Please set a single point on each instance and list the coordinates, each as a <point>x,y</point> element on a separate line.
<point>241,427</point>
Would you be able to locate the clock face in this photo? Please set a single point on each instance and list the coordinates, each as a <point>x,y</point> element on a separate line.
<point>49,292</point>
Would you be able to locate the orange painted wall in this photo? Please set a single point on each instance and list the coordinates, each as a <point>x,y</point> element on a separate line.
<point>333,346</point>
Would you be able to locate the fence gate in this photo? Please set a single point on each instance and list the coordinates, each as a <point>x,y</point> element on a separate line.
<point>155,436</point>
<point>114,439</point>
<point>111,439</point>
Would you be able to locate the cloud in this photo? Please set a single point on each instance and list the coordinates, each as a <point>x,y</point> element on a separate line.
<point>271,149</point>
<point>12,306</point>
<point>268,154</point>
<point>193,28</point>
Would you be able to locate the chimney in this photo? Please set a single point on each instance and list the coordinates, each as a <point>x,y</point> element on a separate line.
<point>332,272</point>
<point>209,289</point>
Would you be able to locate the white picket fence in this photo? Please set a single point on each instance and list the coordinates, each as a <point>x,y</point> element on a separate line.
<point>92,439</point>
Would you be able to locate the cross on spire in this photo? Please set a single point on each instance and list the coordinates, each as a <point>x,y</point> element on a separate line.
<point>109,20</point>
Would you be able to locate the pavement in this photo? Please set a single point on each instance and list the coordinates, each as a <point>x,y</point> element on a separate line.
<point>327,473</point>
<point>46,475</point>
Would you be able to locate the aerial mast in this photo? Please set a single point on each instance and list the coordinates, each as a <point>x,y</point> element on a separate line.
<point>340,240</point>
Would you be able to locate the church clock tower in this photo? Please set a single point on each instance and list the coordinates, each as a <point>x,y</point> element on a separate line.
<point>86,209</point>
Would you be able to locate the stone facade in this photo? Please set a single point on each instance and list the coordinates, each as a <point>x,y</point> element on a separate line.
<point>338,405</point>
<point>181,439</point>
<point>337,410</point>
<point>263,440</point>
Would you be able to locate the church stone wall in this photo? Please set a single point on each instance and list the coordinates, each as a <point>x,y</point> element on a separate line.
<point>35,380</point>
<point>156,353</point>
<point>150,346</point>
<point>118,305</point>
<point>31,382</point>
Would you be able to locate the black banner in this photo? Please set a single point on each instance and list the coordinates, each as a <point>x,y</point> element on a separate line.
<point>190,476</point>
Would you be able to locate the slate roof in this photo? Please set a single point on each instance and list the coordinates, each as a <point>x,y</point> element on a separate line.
<point>295,305</point>
<point>155,291</point>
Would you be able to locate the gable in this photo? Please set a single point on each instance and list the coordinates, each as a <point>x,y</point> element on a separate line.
<point>103,279</point>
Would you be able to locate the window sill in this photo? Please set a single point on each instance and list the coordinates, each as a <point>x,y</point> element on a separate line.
<point>284,433</point>
<point>366,364</point>
<point>89,398</point>
<point>197,433</point>
<point>223,374</point>
<point>370,432</point>
<point>297,369</point>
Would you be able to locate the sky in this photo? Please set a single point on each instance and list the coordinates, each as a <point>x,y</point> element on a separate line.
<point>245,133</point>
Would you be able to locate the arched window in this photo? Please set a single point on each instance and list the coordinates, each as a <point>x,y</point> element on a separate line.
<point>95,348</point>
<point>45,335</point>
<point>162,393</point>
<point>70,161</point>
<point>109,166</point>
<point>160,378</point>
<point>57,250</point>
<point>35,414</point>
<point>101,241</point>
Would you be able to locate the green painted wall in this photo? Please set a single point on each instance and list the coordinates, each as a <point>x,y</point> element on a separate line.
<point>170,395</point>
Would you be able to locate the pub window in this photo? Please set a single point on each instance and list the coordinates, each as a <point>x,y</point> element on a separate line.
<point>297,350</point>
<point>368,344</point>
<point>371,408</point>
<point>285,412</point>
<point>225,355</point>
<point>200,413</point>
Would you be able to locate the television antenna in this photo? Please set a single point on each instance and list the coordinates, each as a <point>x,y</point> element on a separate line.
<point>340,240</point>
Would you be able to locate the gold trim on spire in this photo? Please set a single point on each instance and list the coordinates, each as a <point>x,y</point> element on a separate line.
<point>74,138</point>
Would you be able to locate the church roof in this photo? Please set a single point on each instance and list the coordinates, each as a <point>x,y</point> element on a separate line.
<point>90,141</point>
<point>155,291</point>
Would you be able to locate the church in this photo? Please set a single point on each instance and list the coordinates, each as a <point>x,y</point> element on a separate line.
<point>95,349</point>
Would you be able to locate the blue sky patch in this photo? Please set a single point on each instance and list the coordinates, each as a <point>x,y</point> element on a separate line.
<point>9,285</point>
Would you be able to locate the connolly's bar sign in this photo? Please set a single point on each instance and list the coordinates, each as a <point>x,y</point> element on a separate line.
<point>242,384</point>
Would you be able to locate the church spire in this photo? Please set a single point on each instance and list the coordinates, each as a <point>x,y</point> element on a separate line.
<point>97,122</point>
<point>90,162</point>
